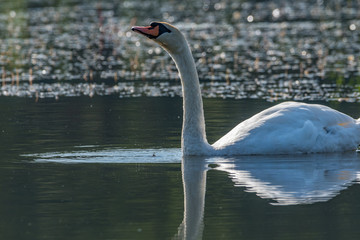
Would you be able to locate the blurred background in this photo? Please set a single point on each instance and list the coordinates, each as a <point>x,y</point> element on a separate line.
<point>273,50</point>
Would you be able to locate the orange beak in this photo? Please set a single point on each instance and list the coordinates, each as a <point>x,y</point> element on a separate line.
<point>150,32</point>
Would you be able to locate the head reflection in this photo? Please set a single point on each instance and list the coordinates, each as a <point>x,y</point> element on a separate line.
<point>286,180</point>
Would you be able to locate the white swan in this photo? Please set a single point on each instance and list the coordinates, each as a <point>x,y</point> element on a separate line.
<point>286,128</point>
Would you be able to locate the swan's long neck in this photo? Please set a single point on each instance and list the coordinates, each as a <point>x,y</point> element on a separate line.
<point>193,132</point>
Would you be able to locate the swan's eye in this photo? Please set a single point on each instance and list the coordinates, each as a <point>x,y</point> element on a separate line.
<point>162,27</point>
<point>153,31</point>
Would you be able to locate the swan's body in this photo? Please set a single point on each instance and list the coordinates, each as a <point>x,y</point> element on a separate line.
<point>286,128</point>
<point>293,127</point>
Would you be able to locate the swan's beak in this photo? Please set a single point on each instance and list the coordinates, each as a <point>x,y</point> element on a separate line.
<point>150,32</point>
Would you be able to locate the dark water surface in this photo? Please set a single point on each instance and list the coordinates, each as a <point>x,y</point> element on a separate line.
<point>109,168</point>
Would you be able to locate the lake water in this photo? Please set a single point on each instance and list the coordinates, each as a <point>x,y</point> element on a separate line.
<point>249,49</point>
<point>91,119</point>
<point>110,168</point>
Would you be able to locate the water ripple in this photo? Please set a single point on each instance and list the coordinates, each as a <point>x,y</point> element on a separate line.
<point>171,155</point>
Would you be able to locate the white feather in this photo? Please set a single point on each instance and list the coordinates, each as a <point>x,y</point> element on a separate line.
<point>292,127</point>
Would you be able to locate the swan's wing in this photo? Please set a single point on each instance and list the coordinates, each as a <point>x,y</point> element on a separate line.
<point>292,127</point>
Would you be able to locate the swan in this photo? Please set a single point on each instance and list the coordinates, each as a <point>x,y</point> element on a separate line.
<point>286,128</point>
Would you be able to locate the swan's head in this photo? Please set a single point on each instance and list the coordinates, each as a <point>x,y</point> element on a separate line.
<point>166,35</point>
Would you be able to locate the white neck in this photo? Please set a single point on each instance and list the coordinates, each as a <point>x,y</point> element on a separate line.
<point>193,132</point>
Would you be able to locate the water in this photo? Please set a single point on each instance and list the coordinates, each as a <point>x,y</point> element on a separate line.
<point>93,169</point>
<point>91,118</point>
<point>251,49</point>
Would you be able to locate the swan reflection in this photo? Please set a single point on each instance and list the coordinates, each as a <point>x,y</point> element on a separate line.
<point>194,182</point>
<point>290,180</point>
<point>286,180</point>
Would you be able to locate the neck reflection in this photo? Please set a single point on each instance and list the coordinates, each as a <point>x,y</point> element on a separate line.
<point>194,183</point>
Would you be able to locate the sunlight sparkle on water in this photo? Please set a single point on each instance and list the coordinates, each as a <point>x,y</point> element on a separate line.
<point>12,14</point>
<point>250,18</point>
<point>276,13</point>
<point>352,27</point>
<point>97,45</point>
